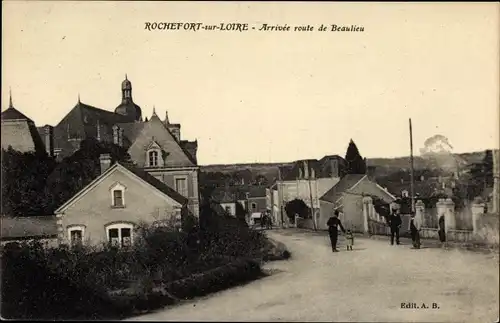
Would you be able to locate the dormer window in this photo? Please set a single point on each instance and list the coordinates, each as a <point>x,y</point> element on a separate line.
<point>153,158</point>
<point>117,196</point>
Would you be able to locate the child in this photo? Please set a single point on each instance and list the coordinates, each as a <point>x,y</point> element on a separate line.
<point>349,239</point>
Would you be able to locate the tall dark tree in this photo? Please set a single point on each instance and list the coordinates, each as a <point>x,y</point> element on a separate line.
<point>480,175</point>
<point>24,176</point>
<point>355,163</point>
<point>240,212</point>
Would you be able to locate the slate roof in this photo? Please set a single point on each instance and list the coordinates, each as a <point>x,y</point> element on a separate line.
<point>228,194</point>
<point>159,185</point>
<point>17,228</point>
<point>257,192</point>
<point>13,114</point>
<point>153,181</point>
<point>322,168</point>
<point>190,147</point>
<point>346,183</point>
<point>426,188</point>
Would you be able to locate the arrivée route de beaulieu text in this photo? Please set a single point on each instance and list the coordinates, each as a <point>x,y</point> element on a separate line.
<point>243,27</point>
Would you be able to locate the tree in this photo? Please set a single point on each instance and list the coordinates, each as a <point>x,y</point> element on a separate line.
<point>480,175</point>
<point>24,176</point>
<point>260,180</point>
<point>355,163</point>
<point>240,211</point>
<point>299,207</point>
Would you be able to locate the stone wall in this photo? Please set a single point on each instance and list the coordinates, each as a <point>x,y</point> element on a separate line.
<point>468,225</point>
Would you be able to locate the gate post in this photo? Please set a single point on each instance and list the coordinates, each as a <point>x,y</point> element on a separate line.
<point>367,202</point>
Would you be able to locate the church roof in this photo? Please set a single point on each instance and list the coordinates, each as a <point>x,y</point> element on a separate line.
<point>13,114</point>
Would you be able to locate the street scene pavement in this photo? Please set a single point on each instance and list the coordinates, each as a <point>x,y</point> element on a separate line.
<point>369,283</point>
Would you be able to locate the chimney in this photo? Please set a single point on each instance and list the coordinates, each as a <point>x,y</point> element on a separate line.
<point>120,137</point>
<point>49,139</point>
<point>115,134</point>
<point>370,172</point>
<point>98,131</point>
<point>105,161</point>
<point>175,129</point>
<point>306,170</point>
<point>334,167</point>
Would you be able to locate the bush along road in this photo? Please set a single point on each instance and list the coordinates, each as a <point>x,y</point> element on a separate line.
<point>162,268</point>
<point>234,273</point>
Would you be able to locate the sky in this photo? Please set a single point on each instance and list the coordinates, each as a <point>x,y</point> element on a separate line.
<point>260,96</point>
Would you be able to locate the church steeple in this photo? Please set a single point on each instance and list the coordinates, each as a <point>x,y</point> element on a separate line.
<point>126,90</point>
<point>10,98</point>
<point>167,122</point>
<point>128,107</point>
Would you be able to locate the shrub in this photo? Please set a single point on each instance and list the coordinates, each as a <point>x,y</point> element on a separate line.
<point>63,282</point>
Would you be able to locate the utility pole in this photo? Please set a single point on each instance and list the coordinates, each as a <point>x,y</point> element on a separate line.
<point>412,188</point>
<point>280,197</point>
<point>313,215</point>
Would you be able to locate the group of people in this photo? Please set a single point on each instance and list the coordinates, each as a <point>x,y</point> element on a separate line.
<point>394,221</point>
<point>266,221</point>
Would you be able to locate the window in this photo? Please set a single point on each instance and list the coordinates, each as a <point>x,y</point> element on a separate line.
<point>118,198</point>
<point>117,191</point>
<point>181,186</point>
<point>228,209</point>
<point>120,234</point>
<point>76,234</point>
<point>153,158</point>
<point>254,206</point>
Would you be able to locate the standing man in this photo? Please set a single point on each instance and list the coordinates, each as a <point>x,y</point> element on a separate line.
<point>333,224</point>
<point>395,224</point>
<point>415,231</point>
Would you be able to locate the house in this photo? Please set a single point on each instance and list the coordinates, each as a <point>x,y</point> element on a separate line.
<point>154,145</point>
<point>305,180</point>
<point>27,229</point>
<point>257,199</point>
<point>348,196</point>
<point>19,131</point>
<point>496,176</point>
<point>115,203</point>
<point>228,197</point>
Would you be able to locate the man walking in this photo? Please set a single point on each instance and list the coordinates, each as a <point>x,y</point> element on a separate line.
<point>333,224</point>
<point>395,224</point>
<point>415,231</point>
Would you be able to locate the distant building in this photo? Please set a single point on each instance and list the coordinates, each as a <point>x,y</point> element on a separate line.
<point>496,179</point>
<point>347,196</point>
<point>228,197</point>
<point>256,199</point>
<point>20,132</point>
<point>303,180</point>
